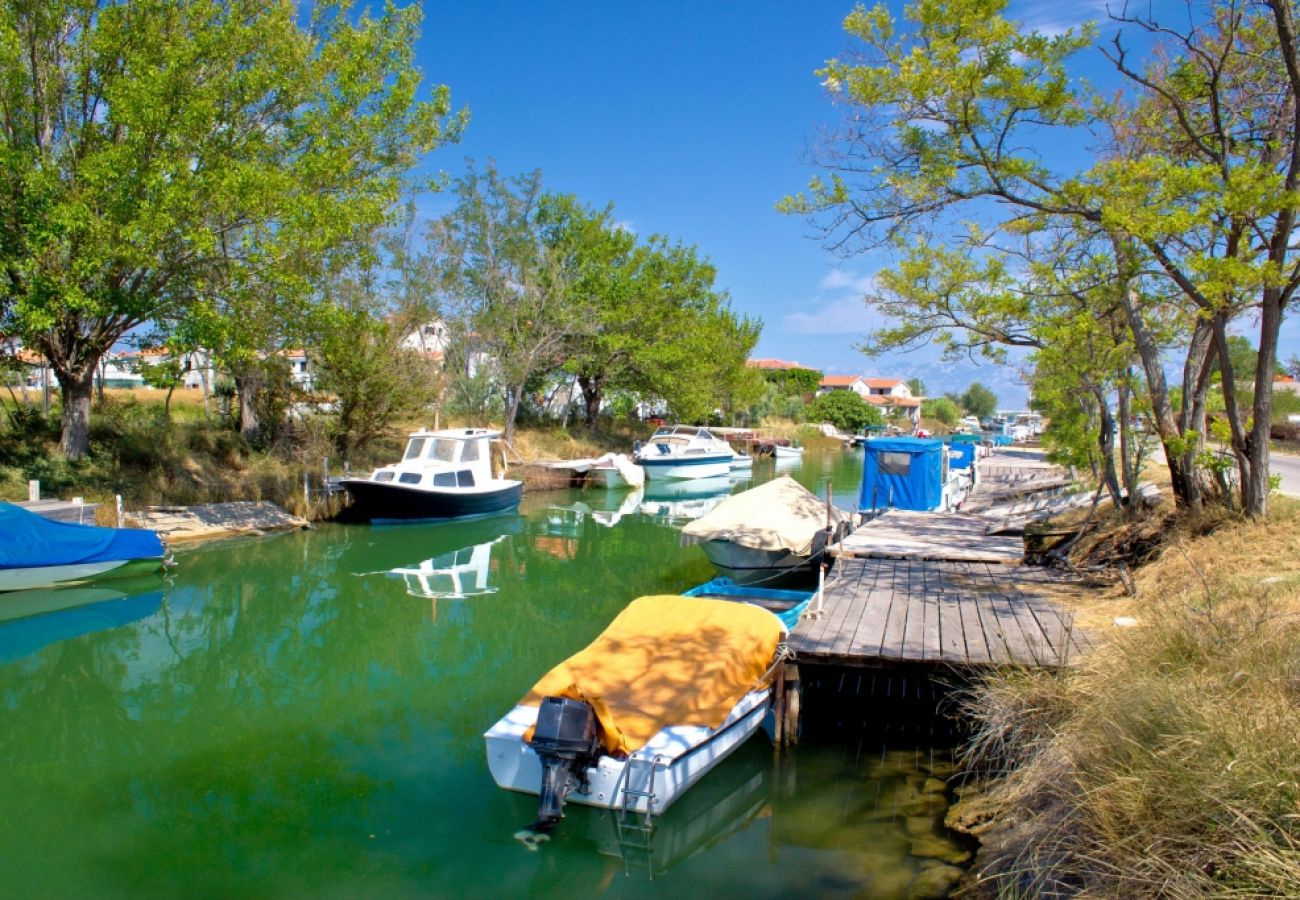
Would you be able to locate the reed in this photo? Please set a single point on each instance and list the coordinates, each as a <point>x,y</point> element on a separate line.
<point>1167,763</point>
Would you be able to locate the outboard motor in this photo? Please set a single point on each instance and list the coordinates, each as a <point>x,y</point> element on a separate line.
<point>567,741</point>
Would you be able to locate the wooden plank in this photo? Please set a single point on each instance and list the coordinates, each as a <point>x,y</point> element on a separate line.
<point>953,645</point>
<point>839,600</point>
<point>869,639</point>
<point>843,640</point>
<point>891,645</point>
<point>1024,640</point>
<point>905,534</point>
<point>930,586</point>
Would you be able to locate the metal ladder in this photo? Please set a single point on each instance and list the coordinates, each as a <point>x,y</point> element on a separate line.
<point>636,835</point>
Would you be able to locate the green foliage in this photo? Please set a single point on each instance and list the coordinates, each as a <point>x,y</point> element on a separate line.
<point>194,163</point>
<point>794,381</point>
<point>916,386</point>
<point>942,409</point>
<point>979,401</point>
<point>845,410</point>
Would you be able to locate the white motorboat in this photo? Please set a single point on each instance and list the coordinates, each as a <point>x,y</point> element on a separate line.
<point>775,530</point>
<point>781,451</point>
<point>442,475</point>
<point>664,694</point>
<point>615,470</point>
<point>684,452</point>
<point>741,461</point>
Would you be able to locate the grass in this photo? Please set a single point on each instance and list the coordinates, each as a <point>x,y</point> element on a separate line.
<point>1166,764</point>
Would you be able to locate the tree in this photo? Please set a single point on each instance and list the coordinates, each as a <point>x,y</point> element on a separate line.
<point>156,154</point>
<point>979,401</point>
<point>943,409</point>
<point>845,410</point>
<point>1196,188</point>
<point>504,285</point>
<point>916,386</point>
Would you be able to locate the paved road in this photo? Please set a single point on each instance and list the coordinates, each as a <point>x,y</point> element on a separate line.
<point>1289,468</point>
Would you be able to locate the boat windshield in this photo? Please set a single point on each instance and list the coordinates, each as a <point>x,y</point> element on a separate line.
<point>443,449</point>
<point>414,448</point>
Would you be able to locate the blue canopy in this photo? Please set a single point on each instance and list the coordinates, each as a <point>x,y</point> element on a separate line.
<point>905,473</point>
<point>31,541</point>
<point>961,456</point>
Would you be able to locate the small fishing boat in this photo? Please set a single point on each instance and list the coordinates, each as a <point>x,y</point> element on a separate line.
<point>741,461</point>
<point>786,605</point>
<point>664,694</point>
<point>791,452</point>
<point>36,552</point>
<point>442,475</point>
<point>776,530</point>
<point>683,452</point>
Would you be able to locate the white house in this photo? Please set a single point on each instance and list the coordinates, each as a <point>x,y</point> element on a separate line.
<point>891,396</point>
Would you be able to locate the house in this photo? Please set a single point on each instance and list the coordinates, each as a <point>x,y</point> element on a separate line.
<point>299,368</point>
<point>891,396</point>
<point>1286,383</point>
<point>855,383</point>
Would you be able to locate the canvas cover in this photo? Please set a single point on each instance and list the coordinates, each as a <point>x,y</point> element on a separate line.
<point>920,489</point>
<point>663,661</point>
<point>30,541</point>
<point>779,515</point>
<point>961,456</point>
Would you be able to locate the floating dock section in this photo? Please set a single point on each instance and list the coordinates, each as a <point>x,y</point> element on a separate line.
<point>192,523</point>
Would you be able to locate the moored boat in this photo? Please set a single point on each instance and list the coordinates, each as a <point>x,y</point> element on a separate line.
<point>786,605</point>
<point>776,530</point>
<point>681,452</point>
<point>36,552</point>
<point>615,470</point>
<point>664,694</point>
<point>442,475</point>
<point>782,451</point>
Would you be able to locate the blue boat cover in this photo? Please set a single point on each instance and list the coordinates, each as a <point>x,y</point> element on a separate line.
<point>961,456</point>
<point>905,473</point>
<point>30,541</point>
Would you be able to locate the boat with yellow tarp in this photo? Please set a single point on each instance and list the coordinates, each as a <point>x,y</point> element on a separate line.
<point>630,722</point>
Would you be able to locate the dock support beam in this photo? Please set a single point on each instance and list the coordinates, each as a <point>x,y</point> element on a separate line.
<point>786,699</point>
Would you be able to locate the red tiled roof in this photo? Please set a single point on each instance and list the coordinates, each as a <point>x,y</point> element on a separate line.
<point>883,382</point>
<point>833,381</point>
<point>771,364</point>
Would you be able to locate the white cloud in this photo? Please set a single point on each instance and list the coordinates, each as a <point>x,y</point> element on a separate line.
<point>844,316</point>
<point>839,279</point>
<point>625,225</point>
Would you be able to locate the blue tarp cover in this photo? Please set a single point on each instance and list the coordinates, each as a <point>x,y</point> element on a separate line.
<point>28,541</point>
<point>921,488</point>
<point>962,456</point>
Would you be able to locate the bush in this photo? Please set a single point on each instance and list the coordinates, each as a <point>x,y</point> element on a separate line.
<point>1286,432</point>
<point>845,410</point>
<point>941,409</point>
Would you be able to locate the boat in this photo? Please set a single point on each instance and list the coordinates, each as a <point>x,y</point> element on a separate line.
<point>786,605</point>
<point>910,473</point>
<point>776,530</point>
<point>615,470</point>
<point>683,501</point>
<point>36,552</point>
<point>442,475</point>
<point>671,687</point>
<point>781,451</point>
<point>681,452</point>
<point>741,461</point>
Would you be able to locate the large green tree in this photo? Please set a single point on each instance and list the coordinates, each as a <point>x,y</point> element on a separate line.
<point>845,410</point>
<point>979,401</point>
<point>155,155</point>
<point>1196,188</point>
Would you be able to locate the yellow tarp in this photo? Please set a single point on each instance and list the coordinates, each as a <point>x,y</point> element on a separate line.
<point>666,660</point>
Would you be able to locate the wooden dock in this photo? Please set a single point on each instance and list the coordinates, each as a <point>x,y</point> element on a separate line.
<point>190,523</point>
<point>905,534</point>
<point>61,510</point>
<point>957,614</point>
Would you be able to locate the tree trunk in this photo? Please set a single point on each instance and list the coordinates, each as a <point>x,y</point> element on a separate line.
<point>513,395</point>
<point>1254,495</point>
<point>77,390</point>
<point>246,387</point>
<point>1106,447</point>
<point>592,388</point>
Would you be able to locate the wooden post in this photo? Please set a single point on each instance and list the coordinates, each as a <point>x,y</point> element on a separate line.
<point>34,490</point>
<point>325,474</point>
<point>306,489</point>
<point>117,505</point>
<point>793,696</point>
<point>778,709</point>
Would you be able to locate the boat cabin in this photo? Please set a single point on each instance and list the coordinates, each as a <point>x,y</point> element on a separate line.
<point>909,473</point>
<point>453,458</point>
<point>687,440</point>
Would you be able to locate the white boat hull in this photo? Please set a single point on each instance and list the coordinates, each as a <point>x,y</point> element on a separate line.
<point>686,469</point>
<point>787,452</point>
<point>607,477</point>
<point>52,576</point>
<point>676,757</point>
<point>746,565</point>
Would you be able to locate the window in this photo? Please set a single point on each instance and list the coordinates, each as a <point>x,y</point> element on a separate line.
<point>383,476</point>
<point>895,463</point>
<point>409,478</point>
<point>464,478</point>
<point>414,448</point>
<point>444,450</point>
<point>469,453</point>
<point>444,479</point>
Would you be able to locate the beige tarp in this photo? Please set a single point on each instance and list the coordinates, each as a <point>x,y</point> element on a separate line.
<point>666,660</point>
<point>779,515</point>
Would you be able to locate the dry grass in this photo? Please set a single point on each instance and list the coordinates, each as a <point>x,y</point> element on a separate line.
<point>1167,765</point>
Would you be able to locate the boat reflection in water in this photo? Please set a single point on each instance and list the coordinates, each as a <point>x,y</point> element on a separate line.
<point>451,576</point>
<point>39,618</point>
<point>676,502</point>
<point>605,508</point>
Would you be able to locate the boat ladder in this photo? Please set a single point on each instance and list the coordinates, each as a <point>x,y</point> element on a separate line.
<point>639,784</point>
<point>636,834</point>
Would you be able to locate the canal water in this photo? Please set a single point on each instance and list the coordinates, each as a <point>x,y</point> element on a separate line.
<point>301,715</point>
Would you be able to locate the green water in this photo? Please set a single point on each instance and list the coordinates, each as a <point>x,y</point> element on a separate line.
<point>286,716</point>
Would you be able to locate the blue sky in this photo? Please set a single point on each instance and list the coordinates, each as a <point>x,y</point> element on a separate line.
<point>692,118</point>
